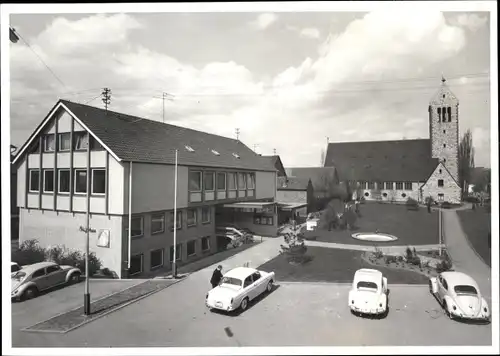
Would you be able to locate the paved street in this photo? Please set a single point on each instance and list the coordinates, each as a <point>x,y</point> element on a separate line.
<point>294,314</point>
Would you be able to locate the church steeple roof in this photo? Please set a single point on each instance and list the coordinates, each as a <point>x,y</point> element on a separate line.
<point>444,96</point>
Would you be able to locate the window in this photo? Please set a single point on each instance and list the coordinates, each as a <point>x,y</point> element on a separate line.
<point>64,179</point>
<point>80,141</point>
<point>408,186</point>
<point>178,252</point>
<point>191,248</point>
<point>195,181</point>
<point>241,181</point>
<point>48,181</point>
<point>191,217</point>
<point>208,181</point>
<point>440,171</point>
<point>384,195</point>
<point>439,114</point>
<point>136,264</point>
<point>371,185</point>
<point>403,195</point>
<point>80,181</point>
<point>444,131</point>
<point>440,197</point>
<point>205,243</point>
<point>235,155</point>
<point>367,285</point>
<point>444,160</point>
<point>39,273</point>
<point>156,259</point>
<point>465,289</point>
<point>248,282</point>
<point>64,141</point>
<point>95,145</point>
<point>34,180</point>
<point>251,181</point>
<point>179,220</point>
<point>389,185</point>
<point>52,269</point>
<point>367,194</point>
<point>221,181</point>
<point>399,185</point>
<point>98,181</point>
<point>443,112</point>
<point>205,215</point>
<point>231,181</point>
<point>49,143</point>
<point>440,183</point>
<point>263,220</point>
<point>215,153</point>
<point>449,113</point>
<point>444,145</point>
<point>157,223</point>
<point>137,226</point>
<point>189,148</point>
<point>256,276</point>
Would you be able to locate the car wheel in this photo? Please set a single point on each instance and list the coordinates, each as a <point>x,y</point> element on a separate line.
<point>244,304</point>
<point>74,278</point>
<point>30,293</point>
<point>430,286</point>
<point>270,287</point>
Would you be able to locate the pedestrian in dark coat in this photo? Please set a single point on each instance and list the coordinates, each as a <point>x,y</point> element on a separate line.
<point>216,276</point>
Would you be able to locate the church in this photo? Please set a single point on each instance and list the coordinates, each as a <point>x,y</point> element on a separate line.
<point>394,171</point>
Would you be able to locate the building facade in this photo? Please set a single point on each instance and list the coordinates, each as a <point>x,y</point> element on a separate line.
<point>123,169</point>
<point>397,170</point>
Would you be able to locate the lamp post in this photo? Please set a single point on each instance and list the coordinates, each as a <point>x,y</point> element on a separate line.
<point>174,263</point>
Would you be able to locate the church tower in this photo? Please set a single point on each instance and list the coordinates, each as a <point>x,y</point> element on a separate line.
<point>443,127</point>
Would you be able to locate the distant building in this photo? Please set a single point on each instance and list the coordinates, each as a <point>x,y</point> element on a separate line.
<point>398,170</point>
<point>278,164</point>
<point>325,180</point>
<point>79,148</point>
<point>295,197</point>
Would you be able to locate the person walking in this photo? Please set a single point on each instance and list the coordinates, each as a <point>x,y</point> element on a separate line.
<point>216,276</point>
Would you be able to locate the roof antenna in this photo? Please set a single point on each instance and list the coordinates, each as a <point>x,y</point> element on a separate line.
<point>274,151</point>
<point>327,140</point>
<point>443,79</point>
<point>106,98</point>
<point>237,134</point>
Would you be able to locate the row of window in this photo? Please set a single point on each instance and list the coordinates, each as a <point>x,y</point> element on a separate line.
<point>209,181</point>
<point>444,114</point>
<point>263,220</point>
<point>97,184</point>
<point>63,142</point>
<point>158,221</point>
<point>385,185</point>
<point>157,257</point>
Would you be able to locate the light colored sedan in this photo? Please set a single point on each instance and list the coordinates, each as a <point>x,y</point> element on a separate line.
<point>459,295</point>
<point>368,294</point>
<point>29,281</point>
<point>238,287</point>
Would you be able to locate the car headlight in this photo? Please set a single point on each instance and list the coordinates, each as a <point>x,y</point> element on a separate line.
<point>485,310</point>
<point>352,301</point>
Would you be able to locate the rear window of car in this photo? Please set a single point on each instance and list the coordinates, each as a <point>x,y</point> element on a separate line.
<point>464,289</point>
<point>367,285</point>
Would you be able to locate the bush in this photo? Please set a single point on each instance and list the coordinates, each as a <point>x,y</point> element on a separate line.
<point>415,261</point>
<point>443,266</point>
<point>378,253</point>
<point>412,204</point>
<point>408,254</point>
<point>446,205</point>
<point>390,259</point>
<point>399,258</point>
<point>28,253</point>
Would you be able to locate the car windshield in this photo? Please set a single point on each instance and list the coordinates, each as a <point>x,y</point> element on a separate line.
<point>232,281</point>
<point>18,276</point>
<point>367,285</point>
<point>14,268</point>
<point>464,289</point>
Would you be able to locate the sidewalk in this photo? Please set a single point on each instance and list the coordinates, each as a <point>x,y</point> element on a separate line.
<point>384,249</point>
<point>464,258</point>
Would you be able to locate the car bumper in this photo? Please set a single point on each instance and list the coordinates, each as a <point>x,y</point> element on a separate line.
<point>369,311</point>
<point>219,306</point>
<point>481,317</point>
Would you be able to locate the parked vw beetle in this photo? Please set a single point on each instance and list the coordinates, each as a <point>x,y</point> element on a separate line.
<point>368,294</point>
<point>238,287</point>
<point>32,279</point>
<point>459,295</point>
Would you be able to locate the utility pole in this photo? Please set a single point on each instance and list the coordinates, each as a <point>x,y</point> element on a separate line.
<point>163,97</point>
<point>274,151</point>
<point>106,97</point>
<point>237,134</point>
<point>174,262</point>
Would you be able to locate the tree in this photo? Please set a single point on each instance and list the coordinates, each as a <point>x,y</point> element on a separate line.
<point>322,163</point>
<point>465,161</point>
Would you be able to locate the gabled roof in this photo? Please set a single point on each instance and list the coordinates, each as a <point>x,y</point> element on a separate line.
<point>389,161</point>
<point>441,164</point>
<point>444,96</point>
<point>293,183</point>
<point>131,138</point>
<point>317,175</point>
<point>278,164</point>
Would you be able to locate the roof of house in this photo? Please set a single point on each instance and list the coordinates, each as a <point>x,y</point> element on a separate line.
<point>131,138</point>
<point>277,163</point>
<point>317,175</point>
<point>292,183</point>
<point>401,160</point>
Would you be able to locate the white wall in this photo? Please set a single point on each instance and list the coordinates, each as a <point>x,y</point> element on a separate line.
<point>265,185</point>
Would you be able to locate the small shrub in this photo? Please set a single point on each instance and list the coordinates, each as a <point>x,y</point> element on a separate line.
<point>446,205</point>
<point>443,266</point>
<point>378,253</point>
<point>415,261</point>
<point>390,259</point>
<point>399,259</point>
<point>412,204</point>
<point>408,254</point>
<point>29,252</point>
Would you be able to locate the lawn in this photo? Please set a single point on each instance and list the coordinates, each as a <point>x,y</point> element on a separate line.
<point>333,265</point>
<point>476,225</point>
<point>409,226</point>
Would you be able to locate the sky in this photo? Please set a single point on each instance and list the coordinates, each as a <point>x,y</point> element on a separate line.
<point>288,81</point>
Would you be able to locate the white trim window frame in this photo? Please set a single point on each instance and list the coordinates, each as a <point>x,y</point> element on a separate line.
<point>178,252</point>
<point>176,222</point>
<point>205,175</point>
<point>234,180</point>
<point>209,213</point>
<point>194,219</point>
<point>371,185</point>
<point>207,239</point>
<point>92,181</point>
<point>35,181</point>
<point>141,234</point>
<point>389,185</point>
<point>219,175</point>
<point>59,171</point>
<point>80,140</point>
<point>399,185</point>
<point>151,267</point>
<point>64,137</point>
<point>141,255</point>
<point>155,218</point>
<point>251,179</point>
<point>49,143</point>
<point>50,180</point>
<point>244,181</point>
<point>193,242</point>
<point>408,186</point>
<point>199,183</point>
<point>75,185</point>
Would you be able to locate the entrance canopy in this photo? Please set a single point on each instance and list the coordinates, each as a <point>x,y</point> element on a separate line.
<point>291,206</point>
<point>250,205</point>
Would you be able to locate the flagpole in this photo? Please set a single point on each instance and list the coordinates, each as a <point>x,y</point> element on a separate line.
<point>174,262</point>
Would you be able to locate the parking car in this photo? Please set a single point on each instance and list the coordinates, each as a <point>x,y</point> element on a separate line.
<point>33,279</point>
<point>459,295</point>
<point>368,294</point>
<point>238,287</point>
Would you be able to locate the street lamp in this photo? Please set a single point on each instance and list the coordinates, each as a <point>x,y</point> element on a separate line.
<point>174,264</point>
